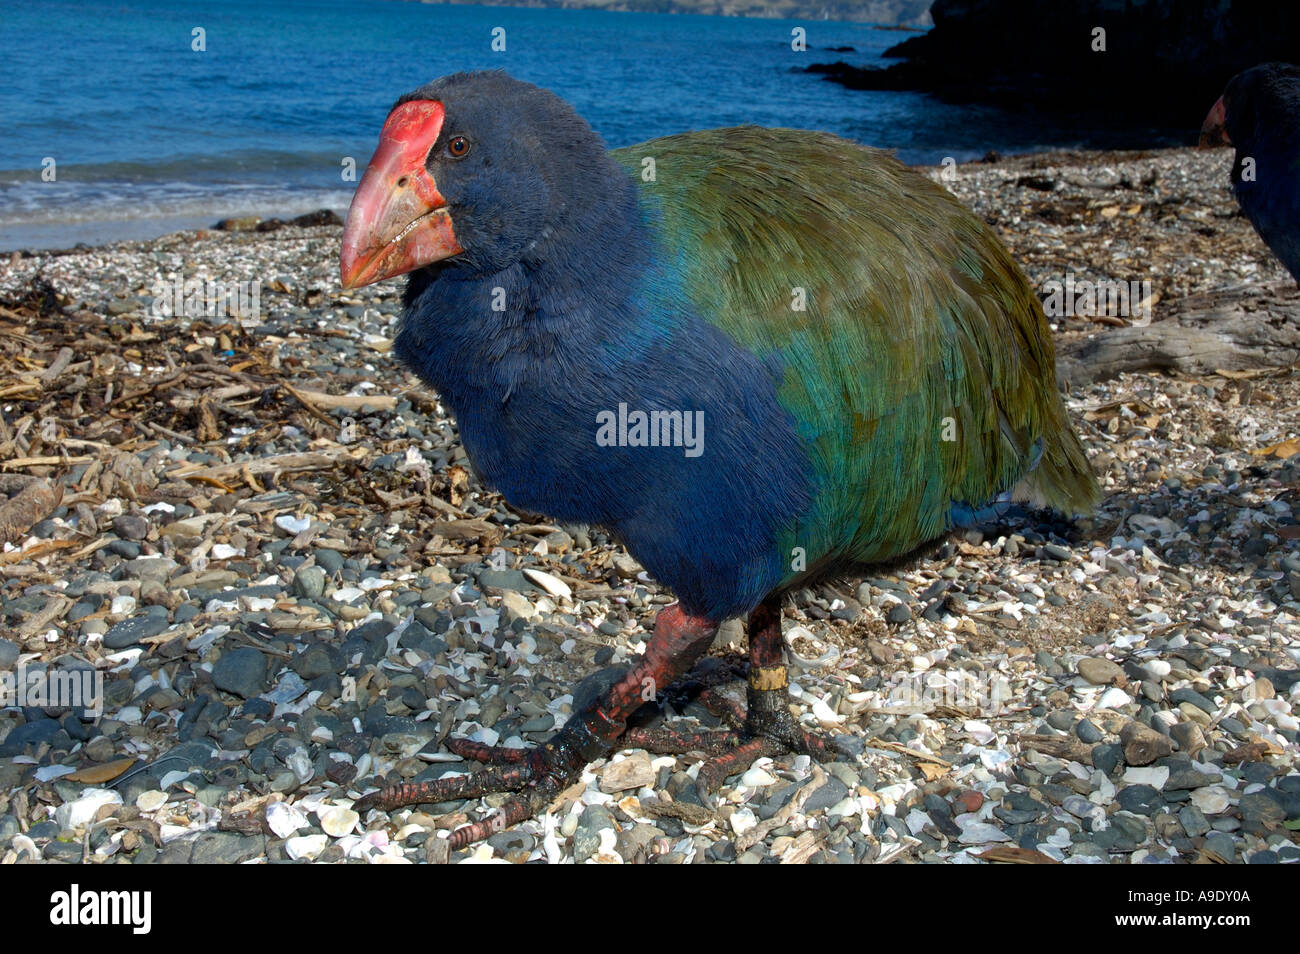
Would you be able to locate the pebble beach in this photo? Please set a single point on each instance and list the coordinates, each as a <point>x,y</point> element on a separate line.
<point>262,535</point>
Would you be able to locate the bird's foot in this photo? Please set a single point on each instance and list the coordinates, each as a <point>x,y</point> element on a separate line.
<point>765,728</point>
<point>539,775</point>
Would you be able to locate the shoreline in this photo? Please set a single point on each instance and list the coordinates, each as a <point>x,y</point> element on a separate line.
<point>94,233</point>
<point>991,186</point>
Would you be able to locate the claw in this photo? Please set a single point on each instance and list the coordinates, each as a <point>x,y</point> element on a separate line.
<point>496,779</point>
<point>540,774</point>
<point>487,754</point>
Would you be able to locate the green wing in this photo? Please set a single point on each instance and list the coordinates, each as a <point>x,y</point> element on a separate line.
<point>920,370</point>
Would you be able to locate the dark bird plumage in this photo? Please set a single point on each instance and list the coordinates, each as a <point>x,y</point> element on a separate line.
<point>1259,114</point>
<point>869,366</point>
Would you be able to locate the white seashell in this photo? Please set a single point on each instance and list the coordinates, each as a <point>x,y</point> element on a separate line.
<point>994,759</point>
<point>825,715</point>
<point>551,584</point>
<point>482,855</point>
<point>756,778</point>
<point>1059,838</point>
<point>980,731</point>
<point>122,605</point>
<point>608,839</point>
<point>300,765</point>
<point>305,846</point>
<point>294,525</point>
<point>224,551</point>
<point>172,777</point>
<point>21,844</point>
<point>48,773</point>
<point>151,801</point>
<point>284,819</point>
<point>81,812</point>
<point>125,657</point>
<point>1153,775</point>
<point>742,821</point>
<point>1275,707</point>
<point>569,825</point>
<point>346,594</point>
<point>338,821</point>
<point>845,807</point>
<point>981,833</point>
<point>1211,800</point>
<point>1157,669</point>
<point>207,637</point>
<point>1114,698</point>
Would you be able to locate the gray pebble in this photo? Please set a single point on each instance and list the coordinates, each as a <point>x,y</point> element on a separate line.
<point>586,839</point>
<point>898,614</point>
<point>1193,821</point>
<point>1261,812</point>
<point>309,582</point>
<point>318,659</point>
<point>130,631</point>
<point>1107,758</point>
<point>241,671</point>
<point>1087,732</point>
<point>1222,845</point>
<point>226,848</point>
<point>132,526</point>
<point>1138,799</point>
<point>331,561</point>
<point>831,793</point>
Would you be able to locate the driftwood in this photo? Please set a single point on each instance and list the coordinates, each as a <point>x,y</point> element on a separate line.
<point>1143,745</point>
<point>1058,747</point>
<point>350,402</point>
<point>1238,328</point>
<point>323,460</point>
<point>35,500</point>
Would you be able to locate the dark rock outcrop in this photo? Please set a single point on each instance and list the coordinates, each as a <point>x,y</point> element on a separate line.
<point>1160,59</point>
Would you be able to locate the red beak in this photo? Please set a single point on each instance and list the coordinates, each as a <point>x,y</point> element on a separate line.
<point>398,220</point>
<point>1213,131</point>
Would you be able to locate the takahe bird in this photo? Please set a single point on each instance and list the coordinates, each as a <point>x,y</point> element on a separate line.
<point>1259,114</point>
<point>756,356</point>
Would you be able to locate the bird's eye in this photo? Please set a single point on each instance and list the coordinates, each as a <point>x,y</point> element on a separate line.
<point>457,147</point>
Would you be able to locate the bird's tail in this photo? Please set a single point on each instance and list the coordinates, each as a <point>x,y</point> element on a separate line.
<point>1063,478</point>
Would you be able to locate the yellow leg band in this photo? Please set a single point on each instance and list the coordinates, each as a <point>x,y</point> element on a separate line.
<point>768,678</point>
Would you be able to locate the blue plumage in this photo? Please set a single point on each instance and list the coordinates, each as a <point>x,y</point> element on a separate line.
<point>1260,114</point>
<point>528,383</point>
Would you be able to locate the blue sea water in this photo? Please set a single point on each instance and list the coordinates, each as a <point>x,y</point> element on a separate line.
<point>148,135</point>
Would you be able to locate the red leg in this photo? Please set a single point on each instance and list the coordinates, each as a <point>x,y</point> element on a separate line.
<point>542,773</point>
<point>769,711</point>
<point>765,728</point>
